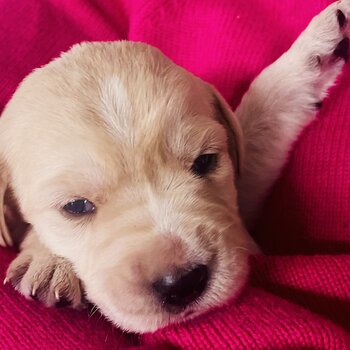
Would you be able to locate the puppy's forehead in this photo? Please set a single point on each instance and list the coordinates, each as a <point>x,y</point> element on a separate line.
<point>113,101</point>
<point>133,91</point>
<point>121,72</point>
<point>146,95</point>
<point>130,89</point>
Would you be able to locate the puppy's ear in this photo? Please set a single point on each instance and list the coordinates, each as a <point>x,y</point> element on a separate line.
<point>227,118</point>
<point>5,237</point>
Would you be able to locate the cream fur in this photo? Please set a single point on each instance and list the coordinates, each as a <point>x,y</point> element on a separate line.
<point>120,124</point>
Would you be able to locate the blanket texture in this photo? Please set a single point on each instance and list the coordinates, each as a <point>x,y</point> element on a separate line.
<point>298,295</point>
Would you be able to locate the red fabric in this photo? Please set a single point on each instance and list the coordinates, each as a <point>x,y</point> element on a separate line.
<point>299,294</point>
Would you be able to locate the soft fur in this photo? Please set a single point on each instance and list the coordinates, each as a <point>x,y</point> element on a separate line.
<point>120,124</point>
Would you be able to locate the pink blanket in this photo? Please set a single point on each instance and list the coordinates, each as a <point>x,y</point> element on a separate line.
<point>299,293</point>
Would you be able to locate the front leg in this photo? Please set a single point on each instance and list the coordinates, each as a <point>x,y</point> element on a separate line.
<point>37,273</point>
<point>285,98</point>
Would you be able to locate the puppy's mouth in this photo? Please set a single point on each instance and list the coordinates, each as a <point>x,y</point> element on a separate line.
<point>175,296</point>
<point>181,291</point>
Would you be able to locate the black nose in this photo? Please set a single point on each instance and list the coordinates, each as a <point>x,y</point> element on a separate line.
<point>179,289</point>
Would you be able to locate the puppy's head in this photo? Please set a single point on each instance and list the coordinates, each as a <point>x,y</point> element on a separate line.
<point>125,164</point>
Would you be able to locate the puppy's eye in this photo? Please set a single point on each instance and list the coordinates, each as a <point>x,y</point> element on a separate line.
<point>79,207</point>
<point>204,164</point>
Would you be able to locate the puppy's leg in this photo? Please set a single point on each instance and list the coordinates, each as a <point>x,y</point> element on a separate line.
<point>37,273</point>
<point>285,98</point>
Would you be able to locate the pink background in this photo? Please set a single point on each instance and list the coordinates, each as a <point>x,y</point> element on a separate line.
<point>299,295</point>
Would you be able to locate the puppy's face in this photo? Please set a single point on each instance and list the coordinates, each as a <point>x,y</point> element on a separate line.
<point>125,164</point>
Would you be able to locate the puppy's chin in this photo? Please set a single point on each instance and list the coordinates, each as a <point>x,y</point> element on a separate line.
<point>139,311</point>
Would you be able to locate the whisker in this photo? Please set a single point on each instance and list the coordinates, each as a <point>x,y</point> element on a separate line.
<point>107,334</point>
<point>93,311</point>
<point>242,248</point>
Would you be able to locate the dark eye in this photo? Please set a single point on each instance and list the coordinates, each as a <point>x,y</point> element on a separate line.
<point>79,207</point>
<point>204,164</point>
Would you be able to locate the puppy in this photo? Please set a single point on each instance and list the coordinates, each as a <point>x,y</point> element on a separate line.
<point>137,179</point>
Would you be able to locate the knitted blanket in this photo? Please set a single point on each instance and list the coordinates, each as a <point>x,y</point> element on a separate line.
<point>298,295</point>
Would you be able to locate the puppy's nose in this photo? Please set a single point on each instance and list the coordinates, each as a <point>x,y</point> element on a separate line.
<point>179,289</point>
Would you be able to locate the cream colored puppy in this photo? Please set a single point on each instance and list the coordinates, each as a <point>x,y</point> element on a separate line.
<point>128,168</point>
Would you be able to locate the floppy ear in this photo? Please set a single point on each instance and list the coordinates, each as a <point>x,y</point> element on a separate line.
<point>227,118</point>
<point>5,237</point>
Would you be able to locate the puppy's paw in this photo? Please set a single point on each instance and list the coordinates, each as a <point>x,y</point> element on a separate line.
<point>47,278</point>
<point>324,47</point>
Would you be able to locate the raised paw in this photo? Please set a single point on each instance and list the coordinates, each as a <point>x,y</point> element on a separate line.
<point>323,48</point>
<point>327,31</point>
<point>343,14</point>
<point>47,278</point>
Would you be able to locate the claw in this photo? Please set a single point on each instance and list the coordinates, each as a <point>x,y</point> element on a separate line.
<point>34,290</point>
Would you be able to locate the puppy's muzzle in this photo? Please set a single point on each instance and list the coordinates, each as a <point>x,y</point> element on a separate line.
<point>182,287</point>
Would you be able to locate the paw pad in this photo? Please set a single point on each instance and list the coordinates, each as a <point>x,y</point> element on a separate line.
<point>342,49</point>
<point>341,18</point>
